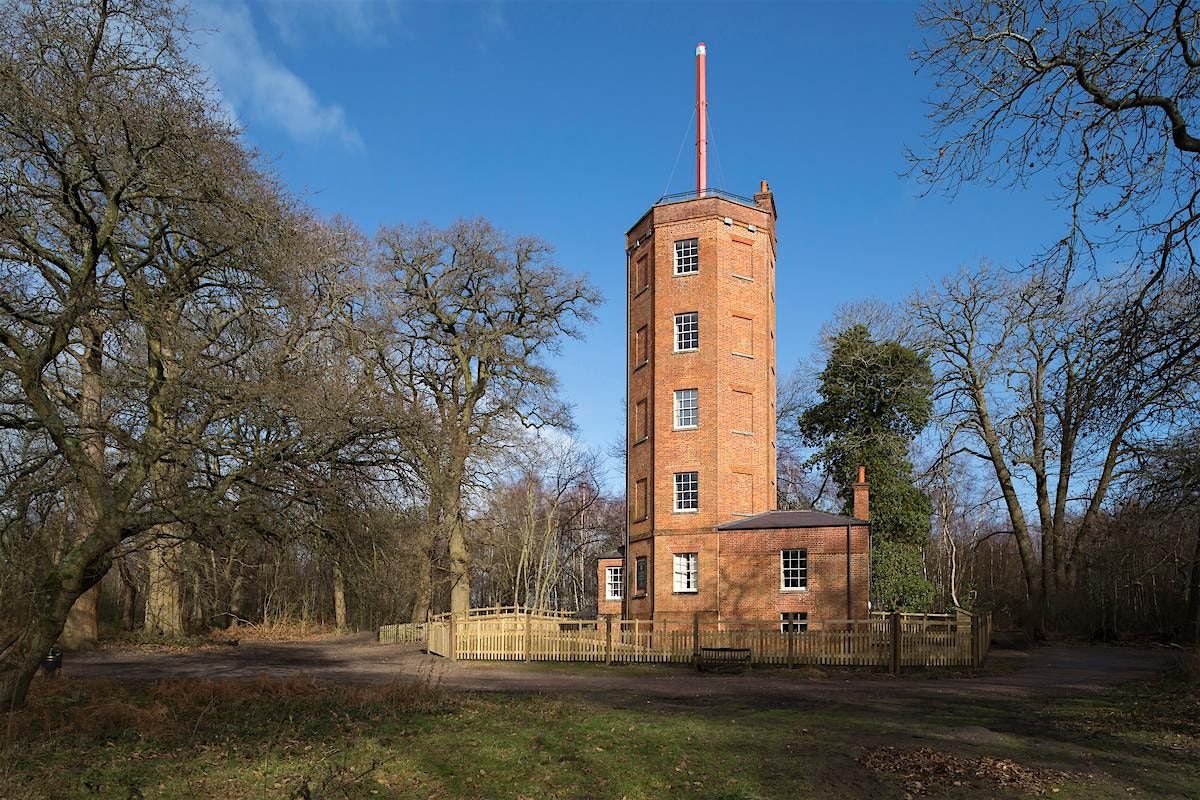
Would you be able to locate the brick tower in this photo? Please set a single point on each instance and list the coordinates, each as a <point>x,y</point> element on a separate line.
<point>703,536</point>
<point>701,387</point>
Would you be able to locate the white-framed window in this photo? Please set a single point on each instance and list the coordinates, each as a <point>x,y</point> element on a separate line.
<point>687,256</point>
<point>687,491</point>
<point>687,331</point>
<point>793,569</point>
<point>614,583</point>
<point>793,621</point>
<point>687,408</point>
<point>685,572</point>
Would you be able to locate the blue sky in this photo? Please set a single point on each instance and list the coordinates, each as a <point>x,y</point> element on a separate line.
<point>564,120</point>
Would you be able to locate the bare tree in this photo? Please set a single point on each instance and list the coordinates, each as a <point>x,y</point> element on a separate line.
<point>1056,394</point>
<point>535,524</point>
<point>1167,487</point>
<point>154,352</point>
<point>469,316</point>
<point>1099,96</point>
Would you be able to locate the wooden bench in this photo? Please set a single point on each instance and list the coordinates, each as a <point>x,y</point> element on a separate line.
<point>723,659</point>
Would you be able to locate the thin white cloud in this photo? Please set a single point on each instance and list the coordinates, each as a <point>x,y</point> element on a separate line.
<point>256,85</point>
<point>494,20</point>
<point>364,23</point>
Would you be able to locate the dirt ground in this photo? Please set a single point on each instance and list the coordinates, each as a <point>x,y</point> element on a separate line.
<point>1056,671</point>
<point>1078,722</point>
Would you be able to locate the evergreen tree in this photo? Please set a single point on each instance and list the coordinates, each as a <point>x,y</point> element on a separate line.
<point>875,399</point>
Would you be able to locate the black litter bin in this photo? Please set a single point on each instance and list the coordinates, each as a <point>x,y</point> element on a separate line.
<point>52,662</point>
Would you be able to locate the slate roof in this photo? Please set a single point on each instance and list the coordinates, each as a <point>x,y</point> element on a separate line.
<point>790,519</point>
<point>611,554</point>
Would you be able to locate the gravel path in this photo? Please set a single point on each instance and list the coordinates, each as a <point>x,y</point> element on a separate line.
<point>1043,671</point>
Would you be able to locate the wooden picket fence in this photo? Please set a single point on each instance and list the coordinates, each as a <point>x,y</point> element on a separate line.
<point>892,640</point>
<point>403,633</point>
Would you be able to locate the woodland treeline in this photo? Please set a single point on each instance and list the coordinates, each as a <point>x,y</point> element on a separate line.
<point>218,408</point>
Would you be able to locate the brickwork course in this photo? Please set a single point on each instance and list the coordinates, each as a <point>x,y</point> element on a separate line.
<point>736,534</point>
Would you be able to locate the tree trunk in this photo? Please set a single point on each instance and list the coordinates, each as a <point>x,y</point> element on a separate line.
<point>460,566</point>
<point>81,630</point>
<point>20,656</point>
<point>129,595</point>
<point>199,605</point>
<point>20,659</point>
<point>1193,609</point>
<point>339,598</point>
<point>237,592</point>
<point>452,515</point>
<point>423,582</point>
<point>164,605</point>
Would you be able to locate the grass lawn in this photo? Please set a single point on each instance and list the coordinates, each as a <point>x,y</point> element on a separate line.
<point>292,739</point>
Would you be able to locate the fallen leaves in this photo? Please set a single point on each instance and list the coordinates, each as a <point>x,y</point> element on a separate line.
<point>924,769</point>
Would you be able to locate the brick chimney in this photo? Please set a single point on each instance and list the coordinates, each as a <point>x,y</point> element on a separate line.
<point>764,199</point>
<point>862,496</point>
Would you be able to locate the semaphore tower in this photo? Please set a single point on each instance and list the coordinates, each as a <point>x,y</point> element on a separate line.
<point>703,537</point>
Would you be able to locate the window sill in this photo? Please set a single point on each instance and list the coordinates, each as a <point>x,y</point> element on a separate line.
<point>686,274</point>
<point>746,278</point>
<point>692,350</point>
<point>686,428</point>
<point>793,590</point>
<point>686,511</point>
<point>743,355</point>
<point>744,433</point>
<point>686,591</point>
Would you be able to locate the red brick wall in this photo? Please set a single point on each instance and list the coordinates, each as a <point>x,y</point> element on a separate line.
<point>604,606</point>
<point>639,605</point>
<point>640,462</point>
<point>668,603</point>
<point>739,574</point>
<point>726,444</point>
<point>750,575</point>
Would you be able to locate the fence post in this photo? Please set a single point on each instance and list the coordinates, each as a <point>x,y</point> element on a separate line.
<point>528,632</point>
<point>453,644</point>
<point>696,638</point>
<point>981,638</point>
<point>428,614</point>
<point>896,634</point>
<point>608,639</point>
<point>791,658</point>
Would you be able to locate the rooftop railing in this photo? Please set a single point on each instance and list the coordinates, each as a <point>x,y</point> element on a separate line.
<point>682,197</point>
